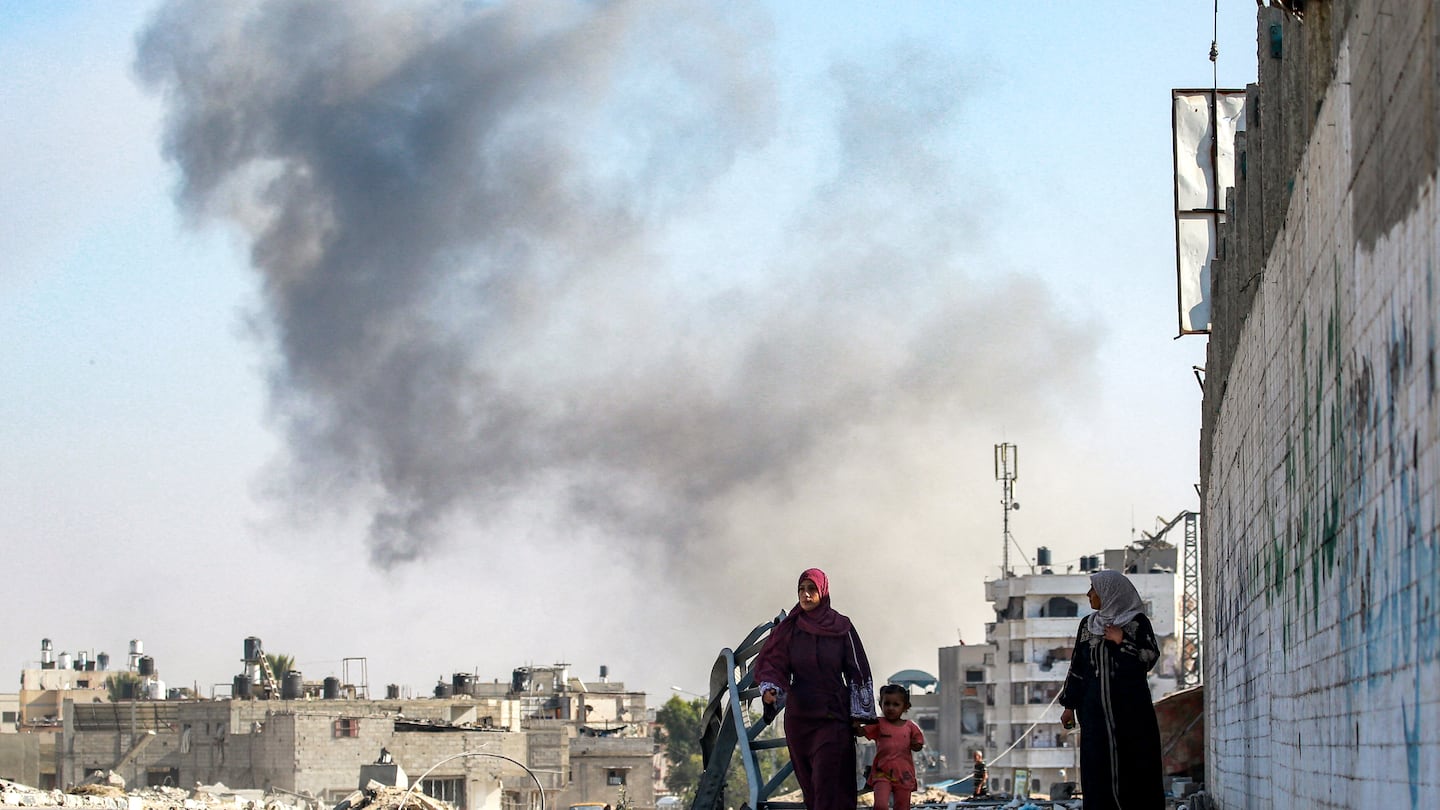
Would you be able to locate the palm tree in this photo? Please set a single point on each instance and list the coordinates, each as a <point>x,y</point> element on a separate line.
<point>280,664</point>
<point>122,686</point>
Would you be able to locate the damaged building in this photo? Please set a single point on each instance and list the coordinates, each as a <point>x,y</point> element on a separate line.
<point>477,746</point>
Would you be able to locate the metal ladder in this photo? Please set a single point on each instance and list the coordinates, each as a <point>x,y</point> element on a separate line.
<point>725,733</point>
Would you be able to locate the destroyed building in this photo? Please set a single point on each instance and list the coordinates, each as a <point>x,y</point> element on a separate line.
<point>492,746</point>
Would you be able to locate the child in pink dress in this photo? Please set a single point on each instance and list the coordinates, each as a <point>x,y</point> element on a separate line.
<point>893,772</point>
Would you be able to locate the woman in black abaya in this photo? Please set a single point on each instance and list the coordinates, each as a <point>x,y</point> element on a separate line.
<point>1119,737</point>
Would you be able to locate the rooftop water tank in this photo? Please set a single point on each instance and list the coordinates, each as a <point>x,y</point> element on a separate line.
<point>463,683</point>
<point>293,686</point>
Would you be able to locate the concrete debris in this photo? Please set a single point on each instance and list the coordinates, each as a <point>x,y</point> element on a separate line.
<point>383,797</point>
<point>926,796</point>
<point>99,795</point>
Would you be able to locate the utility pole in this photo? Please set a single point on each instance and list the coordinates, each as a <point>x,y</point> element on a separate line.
<point>1007,469</point>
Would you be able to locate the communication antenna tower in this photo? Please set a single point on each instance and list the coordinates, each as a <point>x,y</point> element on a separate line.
<point>1007,469</point>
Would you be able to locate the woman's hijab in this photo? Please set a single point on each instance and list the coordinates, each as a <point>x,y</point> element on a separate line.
<point>1120,603</point>
<point>823,620</point>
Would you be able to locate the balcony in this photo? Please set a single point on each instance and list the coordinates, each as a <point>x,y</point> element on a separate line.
<point>1034,672</point>
<point>1025,714</point>
<point>1060,630</point>
<point>1045,758</point>
<point>1050,627</point>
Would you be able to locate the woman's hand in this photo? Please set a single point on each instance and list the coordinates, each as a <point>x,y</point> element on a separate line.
<point>1115,634</point>
<point>1067,718</point>
<point>768,697</point>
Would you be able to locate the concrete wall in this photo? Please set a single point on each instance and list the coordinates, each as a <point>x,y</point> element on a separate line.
<point>20,758</point>
<point>594,759</point>
<point>1320,447</point>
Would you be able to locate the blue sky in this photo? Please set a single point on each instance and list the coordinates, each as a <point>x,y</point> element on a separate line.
<point>845,249</point>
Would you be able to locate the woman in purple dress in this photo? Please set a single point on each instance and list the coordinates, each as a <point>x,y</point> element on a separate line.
<point>814,667</point>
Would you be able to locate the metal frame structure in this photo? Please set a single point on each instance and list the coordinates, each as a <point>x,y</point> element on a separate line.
<point>1190,674</point>
<point>1190,594</point>
<point>727,729</point>
<point>1007,471</point>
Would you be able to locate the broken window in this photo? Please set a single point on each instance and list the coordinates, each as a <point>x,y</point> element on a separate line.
<point>347,727</point>
<point>447,789</point>
<point>1060,608</point>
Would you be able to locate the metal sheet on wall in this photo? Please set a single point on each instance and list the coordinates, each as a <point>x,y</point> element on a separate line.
<point>1204,151</point>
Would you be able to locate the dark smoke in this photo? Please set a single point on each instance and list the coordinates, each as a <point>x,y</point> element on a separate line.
<point>580,249</point>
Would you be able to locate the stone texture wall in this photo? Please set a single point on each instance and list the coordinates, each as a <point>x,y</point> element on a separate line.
<point>1320,447</point>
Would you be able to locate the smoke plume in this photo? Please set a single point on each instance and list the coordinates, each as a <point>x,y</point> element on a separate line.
<point>603,258</point>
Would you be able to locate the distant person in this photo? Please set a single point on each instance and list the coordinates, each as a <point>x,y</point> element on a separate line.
<point>814,667</point>
<point>1119,736</point>
<point>980,775</point>
<point>896,740</point>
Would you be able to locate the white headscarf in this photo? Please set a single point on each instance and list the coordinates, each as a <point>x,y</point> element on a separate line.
<point>1120,603</point>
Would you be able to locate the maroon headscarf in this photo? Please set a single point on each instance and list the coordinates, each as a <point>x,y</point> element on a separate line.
<point>823,620</point>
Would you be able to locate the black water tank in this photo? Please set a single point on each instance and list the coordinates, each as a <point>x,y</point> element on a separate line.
<point>241,688</point>
<point>463,683</point>
<point>392,691</point>
<point>252,649</point>
<point>1042,556</point>
<point>442,690</point>
<point>293,687</point>
<point>332,688</point>
<point>147,666</point>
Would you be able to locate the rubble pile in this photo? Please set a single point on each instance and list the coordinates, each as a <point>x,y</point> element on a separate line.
<point>384,797</point>
<point>103,795</point>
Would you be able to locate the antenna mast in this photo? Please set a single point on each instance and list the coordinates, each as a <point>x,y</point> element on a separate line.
<point>1007,469</point>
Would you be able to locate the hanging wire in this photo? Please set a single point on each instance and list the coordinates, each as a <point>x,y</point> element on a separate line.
<point>1019,739</point>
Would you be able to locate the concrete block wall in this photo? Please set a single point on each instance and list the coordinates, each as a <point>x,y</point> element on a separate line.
<point>1321,435</point>
<point>302,752</point>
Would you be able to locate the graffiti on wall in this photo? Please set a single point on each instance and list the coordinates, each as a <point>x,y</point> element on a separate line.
<point>1332,549</point>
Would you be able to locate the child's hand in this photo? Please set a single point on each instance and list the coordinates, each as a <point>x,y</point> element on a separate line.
<point>768,698</point>
<point>916,746</point>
